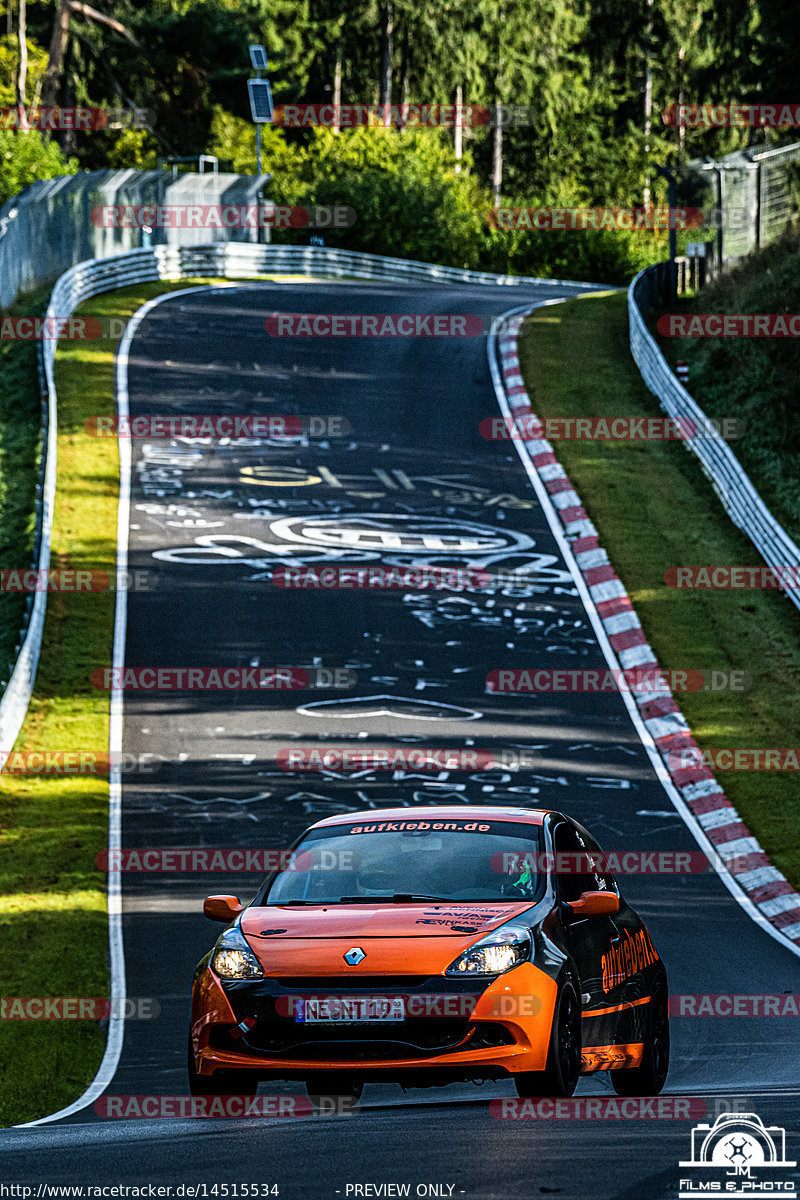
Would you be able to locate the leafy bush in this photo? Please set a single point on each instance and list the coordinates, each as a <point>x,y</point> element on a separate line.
<point>411,203</point>
<point>26,157</point>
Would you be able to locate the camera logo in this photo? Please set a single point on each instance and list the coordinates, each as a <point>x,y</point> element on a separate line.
<point>736,1145</point>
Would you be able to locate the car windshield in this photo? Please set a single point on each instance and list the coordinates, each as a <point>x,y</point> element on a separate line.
<point>406,860</point>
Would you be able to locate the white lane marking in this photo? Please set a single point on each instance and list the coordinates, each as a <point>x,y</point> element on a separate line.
<point>403,707</point>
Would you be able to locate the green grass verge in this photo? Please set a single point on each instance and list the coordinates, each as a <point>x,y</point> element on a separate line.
<point>53,922</point>
<point>654,509</point>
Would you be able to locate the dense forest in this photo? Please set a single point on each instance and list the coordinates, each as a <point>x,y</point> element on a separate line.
<point>596,78</point>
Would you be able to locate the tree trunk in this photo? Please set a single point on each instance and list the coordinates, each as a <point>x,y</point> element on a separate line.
<point>337,87</point>
<point>386,65</point>
<point>497,158</point>
<point>403,89</point>
<point>22,71</point>
<point>58,44</point>
<point>648,94</point>
<point>681,127</point>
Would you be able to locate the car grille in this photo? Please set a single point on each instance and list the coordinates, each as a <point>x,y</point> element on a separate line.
<point>417,1039</point>
<point>350,983</point>
<point>420,1035</point>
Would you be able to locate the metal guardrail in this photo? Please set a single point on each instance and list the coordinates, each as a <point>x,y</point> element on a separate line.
<point>229,260</point>
<point>730,481</point>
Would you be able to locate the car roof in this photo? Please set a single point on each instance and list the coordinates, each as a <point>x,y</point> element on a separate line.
<point>449,812</point>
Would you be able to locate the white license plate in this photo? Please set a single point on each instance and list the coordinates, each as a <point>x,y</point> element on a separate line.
<point>350,1010</point>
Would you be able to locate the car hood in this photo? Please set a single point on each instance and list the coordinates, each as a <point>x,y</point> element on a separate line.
<point>366,920</point>
<point>395,939</point>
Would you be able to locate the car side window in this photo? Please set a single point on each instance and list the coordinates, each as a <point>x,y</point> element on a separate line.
<point>573,879</point>
<point>604,880</point>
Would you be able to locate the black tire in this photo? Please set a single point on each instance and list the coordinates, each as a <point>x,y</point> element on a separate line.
<point>649,1078</point>
<point>560,1076</point>
<point>221,1083</point>
<point>335,1093</point>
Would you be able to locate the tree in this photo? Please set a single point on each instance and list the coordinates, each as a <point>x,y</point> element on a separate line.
<point>25,157</point>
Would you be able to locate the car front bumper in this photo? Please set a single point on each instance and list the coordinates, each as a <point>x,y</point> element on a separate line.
<point>453,1028</point>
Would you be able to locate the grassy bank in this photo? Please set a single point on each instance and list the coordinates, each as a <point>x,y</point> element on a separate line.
<point>654,509</point>
<point>754,379</point>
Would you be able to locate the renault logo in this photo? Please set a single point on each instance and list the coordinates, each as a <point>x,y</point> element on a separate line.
<point>354,956</point>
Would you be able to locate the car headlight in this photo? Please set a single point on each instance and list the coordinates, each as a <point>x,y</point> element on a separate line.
<point>495,953</point>
<point>233,958</point>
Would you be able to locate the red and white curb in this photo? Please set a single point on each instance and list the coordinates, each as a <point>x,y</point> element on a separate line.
<point>768,890</point>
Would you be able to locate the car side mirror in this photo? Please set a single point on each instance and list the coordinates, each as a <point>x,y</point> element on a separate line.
<point>222,908</point>
<point>595,904</point>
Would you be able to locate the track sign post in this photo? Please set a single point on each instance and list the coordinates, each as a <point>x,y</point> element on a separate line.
<point>258,58</point>
<point>260,92</point>
<point>261,106</point>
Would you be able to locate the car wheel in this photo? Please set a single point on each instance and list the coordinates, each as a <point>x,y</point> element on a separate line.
<point>338,1093</point>
<point>221,1083</point>
<point>649,1078</point>
<point>560,1076</point>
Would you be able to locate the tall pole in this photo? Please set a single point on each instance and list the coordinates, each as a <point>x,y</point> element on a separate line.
<point>458,131</point>
<point>667,174</point>
<point>337,87</point>
<point>261,109</point>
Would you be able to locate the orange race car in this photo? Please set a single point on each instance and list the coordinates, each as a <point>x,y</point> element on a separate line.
<point>429,945</point>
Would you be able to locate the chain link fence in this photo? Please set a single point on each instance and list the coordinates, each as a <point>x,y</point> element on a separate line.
<point>756,195</point>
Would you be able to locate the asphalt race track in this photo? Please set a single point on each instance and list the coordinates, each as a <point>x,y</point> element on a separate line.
<point>413,481</point>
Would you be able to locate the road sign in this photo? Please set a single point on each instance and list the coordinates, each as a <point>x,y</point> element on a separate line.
<point>261,106</point>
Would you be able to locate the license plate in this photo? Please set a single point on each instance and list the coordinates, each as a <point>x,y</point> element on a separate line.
<point>350,1010</point>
